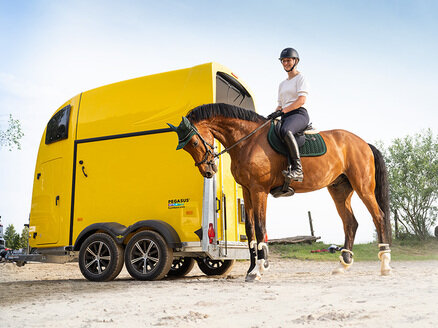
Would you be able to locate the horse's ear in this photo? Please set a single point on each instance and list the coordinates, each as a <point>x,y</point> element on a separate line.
<point>186,122</point>
<point>172,126</point>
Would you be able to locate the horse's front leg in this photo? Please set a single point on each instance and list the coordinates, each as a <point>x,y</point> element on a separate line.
<point>257,225</point>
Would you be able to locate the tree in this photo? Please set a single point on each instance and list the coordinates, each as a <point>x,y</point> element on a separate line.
<point>24,238</point>
<point>413,177</point>
<point>11,136</point>
<point>12,239</point>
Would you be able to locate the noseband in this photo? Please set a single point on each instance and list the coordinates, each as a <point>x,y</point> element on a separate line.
<point>209,149</point>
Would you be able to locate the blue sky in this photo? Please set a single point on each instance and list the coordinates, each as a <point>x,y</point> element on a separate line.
<point>371,66</point>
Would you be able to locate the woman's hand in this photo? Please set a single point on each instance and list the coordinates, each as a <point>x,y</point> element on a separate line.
<point>277,113</point>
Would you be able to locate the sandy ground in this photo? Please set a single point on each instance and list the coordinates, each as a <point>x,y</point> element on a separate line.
<point>292,294</point>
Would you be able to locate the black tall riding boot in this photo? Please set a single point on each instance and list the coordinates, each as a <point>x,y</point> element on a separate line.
<point>294,170</point>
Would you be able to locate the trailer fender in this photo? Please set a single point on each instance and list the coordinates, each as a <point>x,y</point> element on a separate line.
<point>119,232</point>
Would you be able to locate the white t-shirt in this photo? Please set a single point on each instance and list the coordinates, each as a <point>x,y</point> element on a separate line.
<point>290,90</point>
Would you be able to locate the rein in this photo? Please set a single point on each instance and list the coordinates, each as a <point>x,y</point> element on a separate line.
<point>242,139</point>
<point>209,149</point>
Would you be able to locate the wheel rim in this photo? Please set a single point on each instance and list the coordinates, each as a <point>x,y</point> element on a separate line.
<point>213,264</point>
<point>145,256</point>
<point>97,257</point>
<point>177,264</point>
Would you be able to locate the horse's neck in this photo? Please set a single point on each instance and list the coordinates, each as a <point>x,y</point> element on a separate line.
<point>230,130</point>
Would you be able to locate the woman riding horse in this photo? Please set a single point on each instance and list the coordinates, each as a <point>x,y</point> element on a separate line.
<point>292,94</point>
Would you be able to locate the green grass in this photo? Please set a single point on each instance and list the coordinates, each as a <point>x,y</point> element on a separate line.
<point>401,250</point>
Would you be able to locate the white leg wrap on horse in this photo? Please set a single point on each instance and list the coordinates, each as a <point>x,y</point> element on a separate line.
<point>254,274</point>
<point>385,258</point>
<point>343,265</point>
<point>341,258</point>
<point>263,263</point>
<point>260,246</point>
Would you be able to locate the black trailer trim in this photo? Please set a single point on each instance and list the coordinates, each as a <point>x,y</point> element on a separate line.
<point>124,135</point>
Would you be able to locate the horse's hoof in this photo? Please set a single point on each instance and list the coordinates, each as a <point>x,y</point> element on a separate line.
<point>386,272</point>
<point>253,277</point>
<point>339,270</point>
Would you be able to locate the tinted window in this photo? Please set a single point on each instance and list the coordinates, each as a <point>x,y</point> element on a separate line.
<point>230,91</point>
<point>57,128</point>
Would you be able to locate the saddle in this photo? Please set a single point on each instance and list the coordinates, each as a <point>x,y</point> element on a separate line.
<point>310,143</point>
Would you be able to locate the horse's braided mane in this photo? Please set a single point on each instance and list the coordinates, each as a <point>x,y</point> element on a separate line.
<point>212,110</point>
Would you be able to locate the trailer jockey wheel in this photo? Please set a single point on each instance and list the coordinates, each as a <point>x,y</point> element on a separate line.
<point>215,267</point>
<point>100,258</point>
<point>147,256</point>
<point>181,267</point>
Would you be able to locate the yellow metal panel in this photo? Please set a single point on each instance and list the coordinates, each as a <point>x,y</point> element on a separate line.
<point>138,178</point>
<point>145,103</point>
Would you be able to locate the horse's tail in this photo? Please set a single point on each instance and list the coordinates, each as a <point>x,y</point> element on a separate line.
<point>382,189</point>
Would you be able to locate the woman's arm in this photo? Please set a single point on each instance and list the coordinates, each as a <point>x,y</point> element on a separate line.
<point>296,104</point>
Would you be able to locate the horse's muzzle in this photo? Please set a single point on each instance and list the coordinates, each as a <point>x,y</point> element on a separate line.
<point>212,169</point>
<point>208,175</point>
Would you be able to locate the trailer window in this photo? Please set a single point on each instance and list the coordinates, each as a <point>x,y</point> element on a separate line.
<point>57,128</point>
<point>230,91</point>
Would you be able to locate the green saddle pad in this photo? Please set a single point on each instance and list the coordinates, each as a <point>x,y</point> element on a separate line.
<point>313,146</point>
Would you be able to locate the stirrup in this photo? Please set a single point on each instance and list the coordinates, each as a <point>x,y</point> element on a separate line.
<point>284,190</point>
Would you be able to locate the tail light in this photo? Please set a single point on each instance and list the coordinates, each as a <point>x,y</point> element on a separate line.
<point>211,233</point>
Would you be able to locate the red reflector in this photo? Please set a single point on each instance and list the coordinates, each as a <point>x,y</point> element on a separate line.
<point>211,233</point>
<point>234,75</point>
<point>266,238</point>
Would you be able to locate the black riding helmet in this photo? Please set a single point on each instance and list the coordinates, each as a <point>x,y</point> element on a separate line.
<point>290,53</point>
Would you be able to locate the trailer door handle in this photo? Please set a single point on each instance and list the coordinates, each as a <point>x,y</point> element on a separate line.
<point>218,205</point>
<point>83,168</point>
<point>56,200</point>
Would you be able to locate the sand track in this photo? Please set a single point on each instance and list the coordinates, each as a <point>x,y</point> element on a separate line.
<point>293,293</point>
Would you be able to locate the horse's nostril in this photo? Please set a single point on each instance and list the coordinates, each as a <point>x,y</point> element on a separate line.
<point>208,175</point>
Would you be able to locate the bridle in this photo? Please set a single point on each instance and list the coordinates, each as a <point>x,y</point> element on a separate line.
<point>209,149</point>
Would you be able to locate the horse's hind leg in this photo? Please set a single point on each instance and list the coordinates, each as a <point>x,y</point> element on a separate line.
<point>365,191</point>
<point>379,221</point>
<point>341,192</point>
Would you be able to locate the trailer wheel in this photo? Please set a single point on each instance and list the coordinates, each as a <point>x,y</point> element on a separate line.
<point>181,267</point>
<point>147,256</point>
<point>215,267</point>
<point>100,258</point>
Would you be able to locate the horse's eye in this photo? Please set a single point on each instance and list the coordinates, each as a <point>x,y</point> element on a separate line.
<point>195,143</point>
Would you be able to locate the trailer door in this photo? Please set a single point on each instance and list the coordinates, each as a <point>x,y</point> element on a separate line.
<point>231,214</point>
<point>52,181</point>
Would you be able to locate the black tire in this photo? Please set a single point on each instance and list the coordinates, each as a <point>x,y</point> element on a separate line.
<point>147,256</point>
<point>181,267</point>
<point>100,258</point>
<point>215,267</point>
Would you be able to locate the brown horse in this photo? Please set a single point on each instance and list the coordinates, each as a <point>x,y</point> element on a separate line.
<point>350,164</point>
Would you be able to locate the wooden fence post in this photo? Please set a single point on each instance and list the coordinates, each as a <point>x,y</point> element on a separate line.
<point>311,224</point>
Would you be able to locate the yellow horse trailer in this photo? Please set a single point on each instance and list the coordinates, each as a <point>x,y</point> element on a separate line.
<point>109,187</point>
